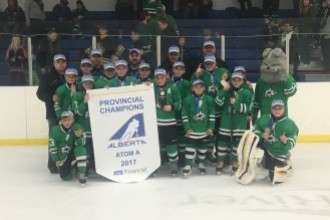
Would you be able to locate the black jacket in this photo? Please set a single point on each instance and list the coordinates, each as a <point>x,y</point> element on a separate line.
<point>47,87</point>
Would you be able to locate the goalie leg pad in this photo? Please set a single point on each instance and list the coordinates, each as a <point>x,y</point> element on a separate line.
<point>247,153</point>
<point>281,174</point>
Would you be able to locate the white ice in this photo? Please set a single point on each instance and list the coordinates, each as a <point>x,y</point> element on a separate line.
<point>29,192</point>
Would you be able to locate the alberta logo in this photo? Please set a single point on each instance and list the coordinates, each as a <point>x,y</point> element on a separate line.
<point>129,132</point>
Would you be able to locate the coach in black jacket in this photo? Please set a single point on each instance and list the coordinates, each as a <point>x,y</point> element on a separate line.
<point>46,90</point>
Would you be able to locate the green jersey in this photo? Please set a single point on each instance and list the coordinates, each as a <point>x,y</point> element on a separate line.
<point>198,115</point>
<point>64,102</point>
<point>81,112</point>
<point>128,81</point>
<point>283,126</point>
<point>265,93</point>
<point>63,141</point>
<point>234,117</point>
<point>167,95</point>
<point>102,81</point>
<point>184,87</point>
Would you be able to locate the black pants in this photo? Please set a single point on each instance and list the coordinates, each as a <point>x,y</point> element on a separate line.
<point>326,52</point>
<point>51,164</point>
<point>66,169</point>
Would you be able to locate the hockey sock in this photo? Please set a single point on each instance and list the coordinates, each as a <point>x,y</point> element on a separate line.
<point>190,154</point>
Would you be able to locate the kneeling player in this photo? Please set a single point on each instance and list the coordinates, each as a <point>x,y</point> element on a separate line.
<point>278,135</point>
<point>66,144</point>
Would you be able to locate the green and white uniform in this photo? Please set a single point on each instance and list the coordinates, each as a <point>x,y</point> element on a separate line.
<point>278,127</point>
<point>198,115</point>
<point>265,93</point>
<point>184,87</point>
<point>64,146</point>
<point>102,81</point>
<point>65,100</point>
<point>166,121</point>
<point>127,81</point>
<point>234,120</point>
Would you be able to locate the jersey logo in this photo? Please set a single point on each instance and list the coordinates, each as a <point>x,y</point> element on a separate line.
<point>133,127</point>
<point>269,92</point>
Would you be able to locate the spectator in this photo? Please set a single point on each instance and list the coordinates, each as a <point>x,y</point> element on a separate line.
<point>210,49</point>
<point>63,17</point>
<point>294,55</point>
<point>153,24</point>
<point>144,30</point>
<point>143,45</point>
<point>190,8</point>
<point>14,18</point>
<point>168,36</point>
<point>307,23</point>
<point>169,5</point>
<point>124,11</point>
<point>270,7</point>
<point>35,19</point>
<point>47,49</point>
<point>205,6</point>
<point>324,24</point>
<point>16,55</point>
<point>242,5</point>
<point>80,15</point>
<point>50,81</point>
<point>109,47</point>
<point>270,32</point>
<point>207,34</point>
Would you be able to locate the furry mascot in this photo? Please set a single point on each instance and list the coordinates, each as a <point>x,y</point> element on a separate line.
<point>275,82</point>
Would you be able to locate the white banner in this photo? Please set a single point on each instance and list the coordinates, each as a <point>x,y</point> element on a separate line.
<point>125,135</point>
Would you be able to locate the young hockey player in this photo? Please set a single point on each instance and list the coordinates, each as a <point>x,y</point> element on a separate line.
<point>184,87</point>
<point>167,102</point>
<point>64,93</point>
<point>66,144</point>
<point>85,68</point>
<point>80,108</point>
<point>235,101</point>
<point>122,79</point>
<point>198,121</point>
<point>214,79</point>
<point>108,74</point>
<point>278,135</point>
<point>144,73</point>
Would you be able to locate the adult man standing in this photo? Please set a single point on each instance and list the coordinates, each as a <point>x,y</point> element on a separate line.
<point>35,18</point>
<point>46,90</point>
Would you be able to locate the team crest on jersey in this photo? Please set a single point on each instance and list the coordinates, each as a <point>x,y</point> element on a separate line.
<point>130,133</point>
<point>269,92</point>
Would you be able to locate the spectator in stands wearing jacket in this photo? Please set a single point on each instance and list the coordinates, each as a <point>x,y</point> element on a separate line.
<point>168,36</point>
<point>35,19</point>
<point>48,47</point>
<point>124,11</point>
<point>63,17</point>
<point>205,6</point>
<point>161,15</point>
<point>14,18</point>
<point>324,23</point>
<point>190,8</point>
<point>80,15</point>
<point>16,55</point>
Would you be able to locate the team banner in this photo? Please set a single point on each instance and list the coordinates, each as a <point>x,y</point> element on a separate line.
<point>125,136</point>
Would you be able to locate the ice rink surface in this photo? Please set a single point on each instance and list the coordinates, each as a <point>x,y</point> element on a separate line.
<point>29,192</point>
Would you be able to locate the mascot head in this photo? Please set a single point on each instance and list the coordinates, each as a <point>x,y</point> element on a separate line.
<point>273,68</point>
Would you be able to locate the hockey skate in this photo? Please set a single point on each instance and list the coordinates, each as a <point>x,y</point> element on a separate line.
<point>174,170</point>
<point>82,179</point>
<point>202,169</point>
<point>186,171</point>
<point>219,167</point>
<point>234,167</point>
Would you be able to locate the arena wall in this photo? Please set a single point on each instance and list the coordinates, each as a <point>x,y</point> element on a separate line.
<point>106,5</point>
<point>23,115</point>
